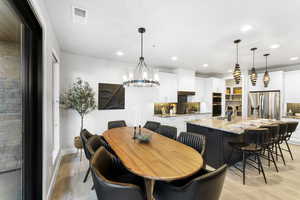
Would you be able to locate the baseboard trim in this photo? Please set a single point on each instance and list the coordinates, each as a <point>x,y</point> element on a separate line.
<point>54,177</point>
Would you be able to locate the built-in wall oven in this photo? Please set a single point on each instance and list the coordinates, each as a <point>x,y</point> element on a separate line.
<point>216,104</point>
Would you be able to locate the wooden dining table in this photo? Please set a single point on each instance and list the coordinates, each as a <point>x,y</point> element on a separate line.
<point>161,159</point>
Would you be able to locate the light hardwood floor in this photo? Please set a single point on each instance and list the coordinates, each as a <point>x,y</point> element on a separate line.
<point>281,186</point>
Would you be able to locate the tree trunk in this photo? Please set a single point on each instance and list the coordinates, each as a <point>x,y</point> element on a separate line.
<point>81,128</point>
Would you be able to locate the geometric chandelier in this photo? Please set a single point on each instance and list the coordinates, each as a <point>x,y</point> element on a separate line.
<point>237,70</point>
<point>143,76</point>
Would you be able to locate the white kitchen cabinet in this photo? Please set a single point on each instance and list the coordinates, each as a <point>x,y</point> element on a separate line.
<point>217,85</point>
<point>292,83</point>
<point>185,80</point>
<point>276,82</point>
<point>180,121</point>
<point>167,91</point>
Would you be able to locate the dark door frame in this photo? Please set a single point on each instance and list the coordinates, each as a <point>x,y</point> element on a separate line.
<point>32,101</point>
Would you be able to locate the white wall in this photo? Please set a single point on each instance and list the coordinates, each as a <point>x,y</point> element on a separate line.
<point>50,44</point>
<point>138,101</point>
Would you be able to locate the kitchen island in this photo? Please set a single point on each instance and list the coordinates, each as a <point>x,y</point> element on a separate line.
<point>219,132</point>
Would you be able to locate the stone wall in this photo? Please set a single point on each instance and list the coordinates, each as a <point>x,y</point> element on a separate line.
<point>10,106</point>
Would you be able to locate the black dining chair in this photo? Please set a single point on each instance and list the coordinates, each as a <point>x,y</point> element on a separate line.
<point>95,142</point>
<point>168,131</point>
<point>151,125</point>
<point>111,183</point>
<point>194,140</point>
<point>116,124</point>
<point>85,135</point>
<point>204,185</point>
<point>291,128</point>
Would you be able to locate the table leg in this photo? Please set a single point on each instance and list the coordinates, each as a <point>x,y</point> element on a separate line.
<point>149,188</point>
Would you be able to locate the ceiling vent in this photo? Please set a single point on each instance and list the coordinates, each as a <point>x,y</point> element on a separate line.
<point>79,15</point>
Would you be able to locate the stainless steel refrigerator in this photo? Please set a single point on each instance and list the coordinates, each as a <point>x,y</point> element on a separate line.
<point>264,104</point>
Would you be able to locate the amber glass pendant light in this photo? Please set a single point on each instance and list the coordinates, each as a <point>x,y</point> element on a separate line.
<point>253,75</point>
<point>237,70</point>
<point>267,77</point>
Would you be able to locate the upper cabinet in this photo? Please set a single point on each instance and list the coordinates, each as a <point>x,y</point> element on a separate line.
<point>167,91</point>
<point>185,80</point>
<point>216,85</point>
<point>276,82</point>
<point>292,84</point>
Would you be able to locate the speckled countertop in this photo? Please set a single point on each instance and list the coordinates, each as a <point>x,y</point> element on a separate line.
<point>292,117</point>
<point>237,125</point>
<point>182,115</point>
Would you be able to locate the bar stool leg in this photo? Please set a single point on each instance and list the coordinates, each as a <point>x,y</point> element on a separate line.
<point>282,157</point>
<point>288,146</point>
<point>244,167</point>
<point>272,156</point>
<point>269,158</point>
<point>276,151</point>
<point>262,169</point>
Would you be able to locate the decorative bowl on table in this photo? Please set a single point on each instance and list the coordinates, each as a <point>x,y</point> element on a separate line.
<point>144,138</point>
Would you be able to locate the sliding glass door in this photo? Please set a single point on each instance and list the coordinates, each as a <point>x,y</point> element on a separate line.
<point>21,94</point>
<point>11,128</point>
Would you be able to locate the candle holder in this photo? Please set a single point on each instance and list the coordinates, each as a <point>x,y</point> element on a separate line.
<point>134,133</point>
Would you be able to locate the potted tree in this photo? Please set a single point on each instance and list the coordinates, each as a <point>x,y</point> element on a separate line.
<point>81,98</point>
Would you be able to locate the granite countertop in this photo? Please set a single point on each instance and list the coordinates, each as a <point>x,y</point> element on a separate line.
<point>237,125</point>
<point>181,115</point>
<point>291,117</point>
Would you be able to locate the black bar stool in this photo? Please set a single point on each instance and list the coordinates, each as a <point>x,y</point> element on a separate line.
<point>291,128</point>
<point>254,142</point>
<point>281,138</point>
<point>272,140</point>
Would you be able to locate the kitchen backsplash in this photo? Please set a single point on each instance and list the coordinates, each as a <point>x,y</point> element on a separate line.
<point>171,108</point>
<point>294,107</point>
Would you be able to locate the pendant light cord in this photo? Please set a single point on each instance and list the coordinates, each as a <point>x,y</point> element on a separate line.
<point>142,45</point>
<point>253,58</point>
<point>237,53</point>
<point>266,63</point>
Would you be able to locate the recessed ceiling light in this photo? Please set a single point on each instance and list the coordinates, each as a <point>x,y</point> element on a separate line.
<point>174,58</point>
<point>246,28</point>
<point>119,53</point>
<point>275,46</point>
<point>205,65</point>
<point>294,58</point>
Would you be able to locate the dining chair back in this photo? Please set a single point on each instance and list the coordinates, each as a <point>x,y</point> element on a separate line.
<point>194,140</point>
<point>205,185</point>
<point>94,143</point>
<point>85,135</point>
<point>106,186</point>
<point>151,125</point>
<point>116,124</point>
<point>168,131</point>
